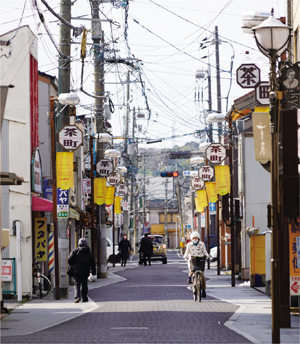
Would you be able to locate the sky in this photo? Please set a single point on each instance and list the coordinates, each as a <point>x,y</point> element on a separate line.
<point>163,41</point>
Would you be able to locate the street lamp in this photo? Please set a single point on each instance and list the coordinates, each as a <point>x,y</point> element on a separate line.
<point>112,153</point>
<point>104,137</point>
<point>196,160</point>
<point>272,38</point>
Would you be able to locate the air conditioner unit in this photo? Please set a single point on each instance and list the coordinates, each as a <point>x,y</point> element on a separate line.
<point>72,197</point>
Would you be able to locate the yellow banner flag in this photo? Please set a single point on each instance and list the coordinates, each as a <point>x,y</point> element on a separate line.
<point>118,205</point>
<point>99,190</point>
<point>64,170</point>
<point>202,198</point>
<point>222,174</point>
<point>211,192</point>
<point>199,209</point>
<point>110,193</point>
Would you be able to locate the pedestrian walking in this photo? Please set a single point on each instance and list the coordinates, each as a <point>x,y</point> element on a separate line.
<point>124,250</point>
<point>146,249</point>
<point>82,260</point>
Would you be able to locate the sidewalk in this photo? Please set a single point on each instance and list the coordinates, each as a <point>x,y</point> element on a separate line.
<point>252,319</point>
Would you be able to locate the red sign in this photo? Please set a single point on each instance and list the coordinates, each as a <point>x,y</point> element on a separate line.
<point>6,270</point>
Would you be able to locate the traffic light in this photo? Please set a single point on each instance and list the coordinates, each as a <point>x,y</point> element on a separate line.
<point>169,174</point>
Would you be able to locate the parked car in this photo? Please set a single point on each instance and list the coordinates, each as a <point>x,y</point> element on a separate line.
<point>213,254</point>
<point>159,249</point>
<point>109,251</point>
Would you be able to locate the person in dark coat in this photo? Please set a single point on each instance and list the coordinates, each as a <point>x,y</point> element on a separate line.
<point>124,249</point>
<point>82,260</point>
<point>147,249</point>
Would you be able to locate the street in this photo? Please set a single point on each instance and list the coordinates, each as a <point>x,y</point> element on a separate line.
<point>153,305</point>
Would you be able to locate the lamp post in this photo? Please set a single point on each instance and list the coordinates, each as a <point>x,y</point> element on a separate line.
<point>272,38</point>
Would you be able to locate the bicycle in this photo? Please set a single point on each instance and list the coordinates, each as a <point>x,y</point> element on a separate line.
<point>42,285</point>
<point>197,266</point>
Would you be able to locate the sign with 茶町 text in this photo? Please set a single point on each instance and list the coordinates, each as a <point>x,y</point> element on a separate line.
<point>70,137</point>
<point>248,75</point>
<point>41,239</point>
<point>215,153</point>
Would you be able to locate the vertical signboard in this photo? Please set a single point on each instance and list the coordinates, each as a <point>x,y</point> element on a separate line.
<point>7,272</point>
<point>62,203</point>
<point>40,228</point>
<point>294,235</point>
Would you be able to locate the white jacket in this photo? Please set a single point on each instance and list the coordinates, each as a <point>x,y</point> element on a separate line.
<point>192,250</point>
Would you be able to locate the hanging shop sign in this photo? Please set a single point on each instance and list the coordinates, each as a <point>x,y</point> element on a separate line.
<point>86,186</point>
<point>70,137</point>
<point>215,153</point>
<point>104,167</point>
<point>206,173</point>
<point>36,171</point>
<point>40,226</point>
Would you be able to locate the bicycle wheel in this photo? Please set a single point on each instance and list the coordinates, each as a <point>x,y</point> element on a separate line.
<point>44,287</point>
<point>199,287</point>
<point>195,288</point>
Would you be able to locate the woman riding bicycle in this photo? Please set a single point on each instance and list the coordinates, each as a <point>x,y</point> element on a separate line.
<point>196,248</point>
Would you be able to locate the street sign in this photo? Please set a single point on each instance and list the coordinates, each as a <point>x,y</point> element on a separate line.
<point>125,206</point>
<point>86,186</point>
<point>206,173</point>
<point>215,153</point>
<point>121,190</point>
<point>197,183</point>
<point>114,178</point>
<point>70,137</point>
<point>262,93</point>
<point>190,173</point>
<point>248,75</point>
<point>104,167</point>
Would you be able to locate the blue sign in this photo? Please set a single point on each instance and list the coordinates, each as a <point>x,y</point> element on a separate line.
<point>212,206</point>
<point>62,197</point>
<point>48,194</point>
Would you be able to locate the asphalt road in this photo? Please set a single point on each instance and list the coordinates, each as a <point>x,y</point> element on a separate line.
<point>152,306</point>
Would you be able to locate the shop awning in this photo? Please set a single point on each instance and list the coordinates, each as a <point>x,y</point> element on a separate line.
<point>41,204</point>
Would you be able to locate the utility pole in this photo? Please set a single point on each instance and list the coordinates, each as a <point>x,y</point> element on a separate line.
<point>219,103</point>
<point>98,40</point>
<point>125,213</point>
<point>166,211</point>
<point>54,198</point>
<point>64,113</point>
<point>132,183</point>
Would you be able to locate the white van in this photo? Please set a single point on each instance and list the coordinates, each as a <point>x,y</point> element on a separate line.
<point>109,248</point>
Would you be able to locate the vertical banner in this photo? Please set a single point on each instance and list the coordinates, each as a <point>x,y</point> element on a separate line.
<point>64,170</point>
<point>294,235</point>
<point>99,190</point>
<point>117,207</point>
<point>222,174</point>
<point>262,136</point>
<point>110,193</point>
<point>40,230</point>
<point>202,198</point>
<point>199,209</point>
<point>211,190</point>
